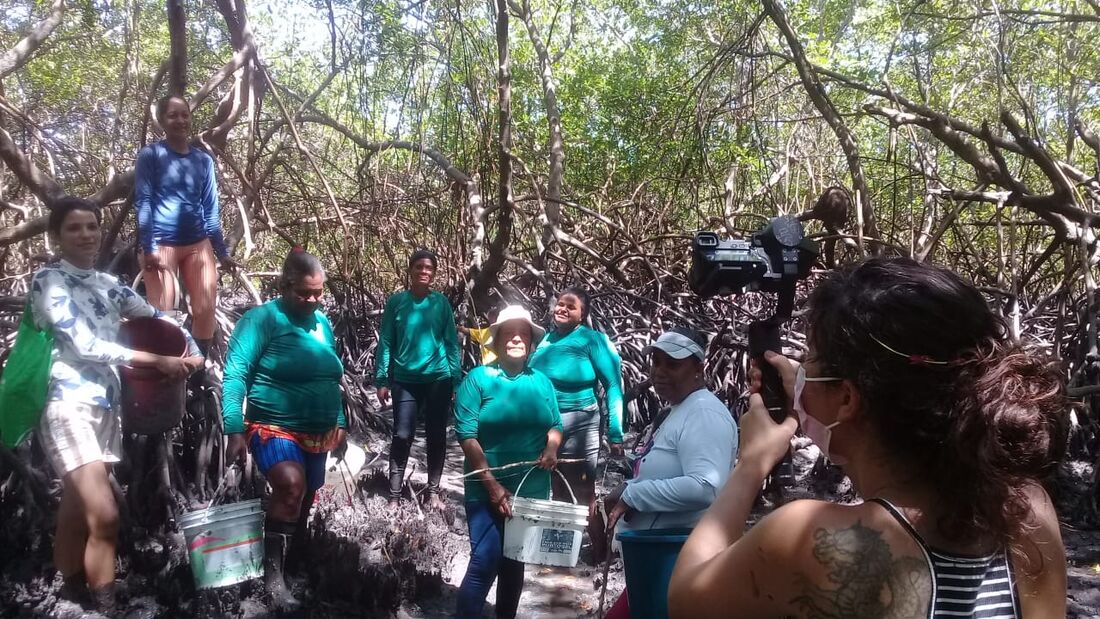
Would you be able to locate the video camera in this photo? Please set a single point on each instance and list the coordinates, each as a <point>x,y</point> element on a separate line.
<point>770,261</point>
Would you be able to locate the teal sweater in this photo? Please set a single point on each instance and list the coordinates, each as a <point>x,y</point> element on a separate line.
<point>418,342</point>
<point>510,417</point>
<point>575,362</point>
<point>288,369</point>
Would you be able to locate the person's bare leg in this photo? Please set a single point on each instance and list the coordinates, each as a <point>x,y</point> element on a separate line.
<point>160,284</point>
<point>68,545</point>
<point>71,535</point>
<point>100,513</point>
<point>198,268</point>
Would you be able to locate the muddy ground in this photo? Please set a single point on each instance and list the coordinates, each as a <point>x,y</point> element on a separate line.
<point>369,561</point>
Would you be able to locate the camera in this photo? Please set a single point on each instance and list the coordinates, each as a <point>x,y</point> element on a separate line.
<point>770,261</point>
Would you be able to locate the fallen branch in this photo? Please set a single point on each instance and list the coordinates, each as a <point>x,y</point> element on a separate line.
<point>515,465</point>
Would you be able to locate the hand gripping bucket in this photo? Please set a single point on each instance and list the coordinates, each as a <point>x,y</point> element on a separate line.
<point>648,559</point>
<point>545,532</point>
<point>225,543</point>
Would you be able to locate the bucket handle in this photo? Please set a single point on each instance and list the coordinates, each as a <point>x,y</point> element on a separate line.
<point>230,478</point>
<point>560,474</point>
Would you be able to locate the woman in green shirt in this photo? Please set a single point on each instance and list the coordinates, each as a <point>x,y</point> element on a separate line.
<point>417,361</point>
<point>505,413</point>
<point>282,358</point>
<point>576,359</point>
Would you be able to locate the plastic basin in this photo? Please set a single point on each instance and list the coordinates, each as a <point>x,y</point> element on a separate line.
<point>648,559</point>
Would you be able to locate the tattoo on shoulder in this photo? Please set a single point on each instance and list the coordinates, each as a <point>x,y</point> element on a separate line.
<point>866,580</point>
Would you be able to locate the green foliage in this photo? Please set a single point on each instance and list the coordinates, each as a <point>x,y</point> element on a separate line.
<point>686,107</point>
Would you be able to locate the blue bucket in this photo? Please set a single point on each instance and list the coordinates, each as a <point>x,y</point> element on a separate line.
<point>648,559</point>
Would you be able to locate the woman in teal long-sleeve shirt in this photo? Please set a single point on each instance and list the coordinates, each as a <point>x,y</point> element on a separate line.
<point>417,362</point>
<point>505,413</point>
<point>576,359</point>
<point>282,358</point>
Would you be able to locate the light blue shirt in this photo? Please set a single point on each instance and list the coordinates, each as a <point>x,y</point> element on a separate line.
<point>692,454</point>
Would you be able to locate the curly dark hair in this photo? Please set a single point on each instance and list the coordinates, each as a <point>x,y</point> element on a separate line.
<point>162,105</point>
<point>979,415</point>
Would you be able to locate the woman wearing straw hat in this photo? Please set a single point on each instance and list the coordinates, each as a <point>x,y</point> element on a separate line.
<point>505,413</point>
<point>688,458</point>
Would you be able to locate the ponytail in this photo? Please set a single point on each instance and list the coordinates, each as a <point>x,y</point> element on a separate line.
<point>1010,431</point>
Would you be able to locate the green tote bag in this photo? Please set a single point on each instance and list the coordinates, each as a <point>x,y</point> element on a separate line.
<point>25,381</point>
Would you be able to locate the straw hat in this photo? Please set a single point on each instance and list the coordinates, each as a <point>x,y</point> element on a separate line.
<point>515,312</point>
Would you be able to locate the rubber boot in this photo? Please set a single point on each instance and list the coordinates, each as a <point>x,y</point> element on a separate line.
<point>298,553</point>
<point>277,536</point>
<point>597,536</point>
<point>104,600</point>
<point>397,479</point>
<point>74,588</point>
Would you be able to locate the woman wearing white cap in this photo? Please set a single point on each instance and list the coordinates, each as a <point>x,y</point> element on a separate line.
<point>689,456</point>
<point>505,413</point>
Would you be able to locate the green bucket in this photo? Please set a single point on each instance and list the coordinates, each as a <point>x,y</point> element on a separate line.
<point>225,543</point>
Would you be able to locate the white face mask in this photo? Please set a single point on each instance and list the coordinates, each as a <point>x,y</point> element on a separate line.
<point>818,432</point>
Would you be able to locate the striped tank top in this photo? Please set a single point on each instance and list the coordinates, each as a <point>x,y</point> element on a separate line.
<point>978,587</point>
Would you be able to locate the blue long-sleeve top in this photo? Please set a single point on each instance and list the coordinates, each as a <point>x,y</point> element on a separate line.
<point>176,198</point>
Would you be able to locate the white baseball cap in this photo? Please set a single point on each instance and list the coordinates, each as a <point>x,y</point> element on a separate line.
<point>515,312</point>
<point>677,346</point>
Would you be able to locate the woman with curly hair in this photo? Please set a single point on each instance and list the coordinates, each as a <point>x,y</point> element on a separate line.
<point>947,427</point>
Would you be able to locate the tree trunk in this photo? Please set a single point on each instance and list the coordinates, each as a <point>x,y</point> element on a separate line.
<point>177,28</point>
<point>555,142</point>
<point>18,56</point>
<point>487,278</point>
<point>865,216</point>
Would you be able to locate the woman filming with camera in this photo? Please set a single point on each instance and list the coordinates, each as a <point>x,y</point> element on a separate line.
<point>941,421</point>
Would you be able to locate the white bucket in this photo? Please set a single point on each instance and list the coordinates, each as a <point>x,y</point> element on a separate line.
<point>225,543</point>
<point>545,532</point>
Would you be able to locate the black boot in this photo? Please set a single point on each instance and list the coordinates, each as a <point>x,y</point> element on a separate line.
<point>74,588</point>
<point>298,553</point>
<point>397,479</point>
<point>597,535</point>
<point>277,536</point>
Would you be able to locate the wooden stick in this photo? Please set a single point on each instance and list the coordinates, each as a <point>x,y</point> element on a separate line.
<point>606,569</point>
<point>516,464</point>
